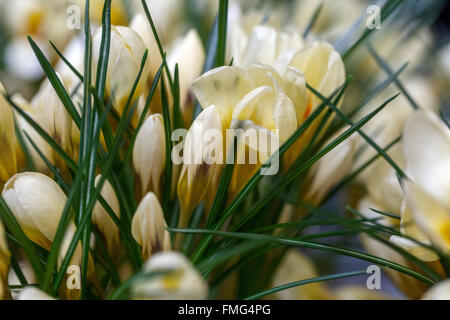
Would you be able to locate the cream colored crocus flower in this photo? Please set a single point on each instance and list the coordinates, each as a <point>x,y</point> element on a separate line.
<point>125,58</point>
<point>37,203</point>
<point>33,293</point>
<point>186,51</point>
<point>198,162</point>
<point>273,102</point>
<point>149,227</point>
<point>37,139</point>
<point>255,37</point>
<point>103,221</point>
<point>180,280</point>
<point>149,154</point>
<point>440,291</point>
<point>263,45</point>
<point>53,117</point>
<point>189,54</point>
<point>426,212</point>
<point>8,165</point>
<point>4,264</point>
<point>324,71</point>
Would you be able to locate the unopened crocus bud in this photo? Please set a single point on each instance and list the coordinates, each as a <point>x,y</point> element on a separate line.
<point>149,155</point>
<point>125,57</point>
<point>37,203</point>
<point>4,263</point>
<point>180,280</point>
<point>53,117</point>
<point>103,221</point>
<point>7,139</point>
<point>149,227</point>
<point>33,293</point>
<point>25,127</point>
<point>188,53</point>
<point>203,149</point>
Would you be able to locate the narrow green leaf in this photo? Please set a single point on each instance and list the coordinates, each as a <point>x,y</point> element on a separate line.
<point>306,281</point>
<point>56,83</point>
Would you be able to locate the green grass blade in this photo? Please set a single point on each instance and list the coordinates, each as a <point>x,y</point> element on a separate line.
<point>313,20</point>
<point>222,33</point>
<point>56,83</point>
<point>312,245</point>
<point>365,136</point>
<point>72,165</point>
<point>67,62</point>
<point>385,66</point>
<point>306,281</point>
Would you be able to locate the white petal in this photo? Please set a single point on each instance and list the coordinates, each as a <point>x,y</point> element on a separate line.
<point>426,144</point>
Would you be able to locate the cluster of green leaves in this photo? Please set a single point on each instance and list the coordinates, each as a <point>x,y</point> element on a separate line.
<point>242,235</point>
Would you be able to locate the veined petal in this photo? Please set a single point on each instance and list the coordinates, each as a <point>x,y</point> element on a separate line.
<point>223,87</point>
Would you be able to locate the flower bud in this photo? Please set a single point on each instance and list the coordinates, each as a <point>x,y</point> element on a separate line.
<point>37,203</point>
<point>149,227</point>
<point>8,165</point>
<point>125,57</point>
<point>37,139</point>
<point>202,151</point>
<point>182,280</point>
<point>149,155</point>
<point>32,293</point>
<point>188,53</point>
<point>102,220</point>
<point>51,114</point>
<point>4,263</point>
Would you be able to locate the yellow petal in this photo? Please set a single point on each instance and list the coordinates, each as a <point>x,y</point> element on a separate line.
<point>223,87</point>
<point>432,217</point>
